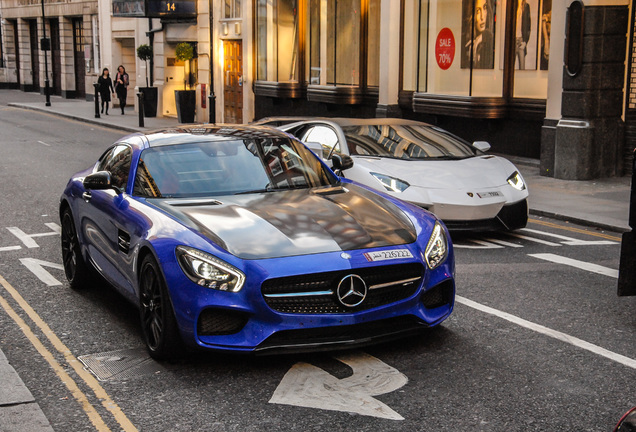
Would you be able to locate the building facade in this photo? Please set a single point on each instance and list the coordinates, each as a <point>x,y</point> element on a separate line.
<point>542,79</point>
<point>71,50</point>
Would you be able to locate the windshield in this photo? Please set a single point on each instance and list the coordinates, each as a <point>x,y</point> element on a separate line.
<point>406,142</point>
<point>228,167</point>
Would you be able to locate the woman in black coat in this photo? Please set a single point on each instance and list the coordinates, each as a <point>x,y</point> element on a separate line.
<point>121,86</point>
<point>105,85</point>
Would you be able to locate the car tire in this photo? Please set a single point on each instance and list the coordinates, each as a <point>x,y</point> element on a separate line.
<point>77,271</point>
<point>158,323</point>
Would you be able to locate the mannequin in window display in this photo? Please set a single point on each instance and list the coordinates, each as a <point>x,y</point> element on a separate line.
<point>481,44</point>
<point>522,32</point>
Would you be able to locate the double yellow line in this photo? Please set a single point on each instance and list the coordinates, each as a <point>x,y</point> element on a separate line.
<point>72,386</point>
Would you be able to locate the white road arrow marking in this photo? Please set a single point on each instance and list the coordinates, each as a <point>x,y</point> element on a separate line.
<point>309,386</point>
<point>37,268</point>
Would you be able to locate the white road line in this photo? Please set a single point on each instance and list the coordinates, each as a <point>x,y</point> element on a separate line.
<point>594,268</point>
<point>532,239</point>
<point>43,143</point>
<point>504,243</point>
<point>9,248</point>
<point>549,332</point>
<point>480,245</point>
<point>570,241</point>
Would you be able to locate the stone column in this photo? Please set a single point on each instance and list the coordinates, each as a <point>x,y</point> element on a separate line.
<point>589,137</point>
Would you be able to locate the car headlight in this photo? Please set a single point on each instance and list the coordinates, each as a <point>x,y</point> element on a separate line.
<point>391,184</point>
<point>437,247</point>
<point>209,271</point>
<point>516,181</point>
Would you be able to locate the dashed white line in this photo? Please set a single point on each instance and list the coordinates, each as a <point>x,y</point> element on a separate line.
<point>594,268</point>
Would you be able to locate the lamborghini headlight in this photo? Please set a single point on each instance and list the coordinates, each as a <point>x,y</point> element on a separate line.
<point>209,271</point>
<point>516,181</point>
<point>437,247</point>
<point>391,184</point>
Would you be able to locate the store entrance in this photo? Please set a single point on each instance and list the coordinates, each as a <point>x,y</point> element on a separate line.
<point>233,81</point>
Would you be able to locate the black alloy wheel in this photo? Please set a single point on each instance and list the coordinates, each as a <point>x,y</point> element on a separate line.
<point>158,323</point>
<point>76,270</point>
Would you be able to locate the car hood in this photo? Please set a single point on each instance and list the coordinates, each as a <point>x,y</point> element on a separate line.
<point>483,171</point>
<point>295,222</point>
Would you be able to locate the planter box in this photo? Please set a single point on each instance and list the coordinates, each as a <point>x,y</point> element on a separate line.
<point>186,101</point>
<point>150,101</point>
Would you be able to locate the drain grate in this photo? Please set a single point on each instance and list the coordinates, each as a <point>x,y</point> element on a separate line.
<point>121,364</point>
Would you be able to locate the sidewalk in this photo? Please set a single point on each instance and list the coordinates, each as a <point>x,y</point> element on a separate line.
<point>602,204</point>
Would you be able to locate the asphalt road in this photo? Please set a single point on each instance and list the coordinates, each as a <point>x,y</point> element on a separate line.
<point>538,340</point>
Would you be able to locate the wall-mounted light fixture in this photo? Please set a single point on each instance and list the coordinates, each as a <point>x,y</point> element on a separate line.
<point>237,28</point>
<point>224,29</point>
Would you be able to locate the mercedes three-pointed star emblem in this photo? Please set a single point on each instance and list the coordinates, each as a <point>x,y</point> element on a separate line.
<point>352,290</point>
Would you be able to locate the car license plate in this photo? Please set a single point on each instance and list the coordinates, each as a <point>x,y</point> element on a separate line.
<point>489,194</point>
<point>388,255</point>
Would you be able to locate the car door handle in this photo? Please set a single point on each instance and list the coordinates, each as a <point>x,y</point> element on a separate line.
<point>87,196</point>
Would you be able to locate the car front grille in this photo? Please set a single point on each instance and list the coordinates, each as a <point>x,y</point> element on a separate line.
<point>316,293</point>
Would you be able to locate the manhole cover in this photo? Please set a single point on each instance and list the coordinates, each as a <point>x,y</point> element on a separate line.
<point>121,364</point>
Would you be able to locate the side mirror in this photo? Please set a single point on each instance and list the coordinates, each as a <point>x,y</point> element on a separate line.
<point>341,162</point>
<point>482,145</point>
<point>98,181</point>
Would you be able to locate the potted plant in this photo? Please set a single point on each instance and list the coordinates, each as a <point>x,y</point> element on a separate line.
<point>144,52</point>
<point>185,99</point>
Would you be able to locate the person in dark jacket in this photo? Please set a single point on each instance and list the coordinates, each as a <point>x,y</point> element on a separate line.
<point>121,87</point>
<point>105,86</point>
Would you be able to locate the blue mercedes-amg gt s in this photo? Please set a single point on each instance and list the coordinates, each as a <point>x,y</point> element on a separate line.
<point>239,238</point>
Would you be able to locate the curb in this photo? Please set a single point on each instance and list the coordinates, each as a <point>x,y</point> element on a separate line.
<point>579,221</point>
<point>76,118</point>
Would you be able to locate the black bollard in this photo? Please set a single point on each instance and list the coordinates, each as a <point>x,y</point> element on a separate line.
<point>96,100</point>
<point>211,108</point>
<point>140,95</point>
<point>627,266</point>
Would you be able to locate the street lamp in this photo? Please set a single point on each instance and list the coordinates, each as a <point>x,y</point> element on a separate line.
<point>45,47</point>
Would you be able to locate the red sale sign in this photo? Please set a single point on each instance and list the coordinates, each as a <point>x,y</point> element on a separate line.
<point>445,48</point>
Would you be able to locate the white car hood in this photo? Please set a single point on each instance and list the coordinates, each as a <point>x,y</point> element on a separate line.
<point>482,171</point>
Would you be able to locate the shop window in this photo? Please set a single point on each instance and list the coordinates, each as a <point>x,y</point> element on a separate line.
<point>277,40</point>
<point>455,49</point>
<point>532,47</point>
<point>338,30</point>
<point>232,9</point>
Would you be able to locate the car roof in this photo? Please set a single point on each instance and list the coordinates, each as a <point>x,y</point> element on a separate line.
<point>208,132</point>
<point>341,121</point>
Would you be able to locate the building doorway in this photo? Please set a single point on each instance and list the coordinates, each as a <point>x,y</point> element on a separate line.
<point>35,54</point>
<point>233,81</point>
<point>78,50</point>
<point>56,62</point>
<point>17,52</point>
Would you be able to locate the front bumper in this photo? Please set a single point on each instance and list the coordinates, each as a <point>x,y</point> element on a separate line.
<point>244,322</point>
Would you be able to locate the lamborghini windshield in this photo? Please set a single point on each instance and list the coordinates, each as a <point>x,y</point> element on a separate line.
<point>406,142</point>
<point>226,167</point>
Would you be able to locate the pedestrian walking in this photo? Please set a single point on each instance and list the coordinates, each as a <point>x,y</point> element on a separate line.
<point>105,86</point>
<point>121,87</point>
